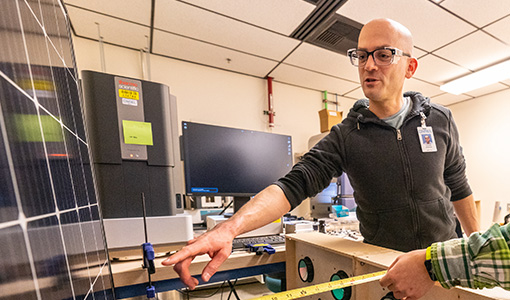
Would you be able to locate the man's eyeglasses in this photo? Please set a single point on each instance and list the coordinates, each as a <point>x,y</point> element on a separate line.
<point>382,57</point>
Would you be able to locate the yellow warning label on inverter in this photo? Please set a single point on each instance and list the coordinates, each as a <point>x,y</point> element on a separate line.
<point>129,94</point>
<point>323,287</point>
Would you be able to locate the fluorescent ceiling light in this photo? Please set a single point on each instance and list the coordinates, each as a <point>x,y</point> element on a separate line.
<point>478,79</point>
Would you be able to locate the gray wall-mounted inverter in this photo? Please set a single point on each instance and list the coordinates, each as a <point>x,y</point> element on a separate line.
<point>133,137</point>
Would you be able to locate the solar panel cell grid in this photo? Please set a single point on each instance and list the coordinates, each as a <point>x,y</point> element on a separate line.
<point>52,245</point>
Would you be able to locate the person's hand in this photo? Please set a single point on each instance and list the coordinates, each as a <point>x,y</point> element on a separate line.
<point>407,276</point>
<point>217,243</point>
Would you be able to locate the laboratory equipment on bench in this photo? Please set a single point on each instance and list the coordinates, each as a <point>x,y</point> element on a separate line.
<point>338,192</point>
<point>259,249</point>
<point>133,136</point>
<point>242,243</point>
<point>273,228</point>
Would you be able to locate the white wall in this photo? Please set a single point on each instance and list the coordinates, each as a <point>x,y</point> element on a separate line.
<point>213,96</point>
<point>485,136</point>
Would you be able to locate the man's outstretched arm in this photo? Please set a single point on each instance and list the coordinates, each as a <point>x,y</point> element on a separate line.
<point>264,208</point>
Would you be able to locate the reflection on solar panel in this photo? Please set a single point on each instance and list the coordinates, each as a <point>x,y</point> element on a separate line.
<point>51,242</point>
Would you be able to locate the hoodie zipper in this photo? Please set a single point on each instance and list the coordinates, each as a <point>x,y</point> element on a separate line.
<point>409,183</point>
<point>399,135</point>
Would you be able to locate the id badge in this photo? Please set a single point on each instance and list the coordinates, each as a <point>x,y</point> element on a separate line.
<point>427,140</point>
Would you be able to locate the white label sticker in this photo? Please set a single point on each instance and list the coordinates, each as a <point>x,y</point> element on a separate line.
<point>129,102</point>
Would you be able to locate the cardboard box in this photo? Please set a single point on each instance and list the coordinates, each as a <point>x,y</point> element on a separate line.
<point>329,118</point>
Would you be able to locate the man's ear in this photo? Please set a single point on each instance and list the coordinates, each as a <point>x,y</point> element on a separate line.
<point>412,65</point>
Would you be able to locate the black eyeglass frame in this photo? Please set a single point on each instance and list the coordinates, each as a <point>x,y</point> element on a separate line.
<point>395,52</point>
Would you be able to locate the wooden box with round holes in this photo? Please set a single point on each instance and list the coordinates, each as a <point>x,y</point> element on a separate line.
<point>313,258</point>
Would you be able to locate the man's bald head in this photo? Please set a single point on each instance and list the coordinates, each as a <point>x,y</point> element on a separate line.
<point>398,35</point>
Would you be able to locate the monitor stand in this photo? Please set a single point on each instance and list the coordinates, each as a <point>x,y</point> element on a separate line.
<point>239,202</point>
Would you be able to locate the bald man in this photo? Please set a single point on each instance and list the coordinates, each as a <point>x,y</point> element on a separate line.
<point>405,194</point>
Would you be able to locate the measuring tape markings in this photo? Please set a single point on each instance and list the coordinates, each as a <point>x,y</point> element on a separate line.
<point>323,287</point>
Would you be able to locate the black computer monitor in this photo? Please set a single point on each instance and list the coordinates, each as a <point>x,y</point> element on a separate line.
<point>224,161</point>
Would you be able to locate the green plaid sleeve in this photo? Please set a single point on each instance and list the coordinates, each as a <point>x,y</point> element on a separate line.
<point>482,260</point>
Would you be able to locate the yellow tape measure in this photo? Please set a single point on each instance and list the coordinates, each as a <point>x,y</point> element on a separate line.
<point>323,287</point>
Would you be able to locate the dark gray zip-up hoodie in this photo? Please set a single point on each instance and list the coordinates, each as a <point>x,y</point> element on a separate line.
<point>403,194</point>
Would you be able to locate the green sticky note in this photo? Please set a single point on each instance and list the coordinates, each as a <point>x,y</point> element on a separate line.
<point>138,133</point>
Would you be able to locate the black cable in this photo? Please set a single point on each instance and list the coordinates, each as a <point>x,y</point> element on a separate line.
<point>232,201</point>
<point>189,294</point>
<point>233,289</point>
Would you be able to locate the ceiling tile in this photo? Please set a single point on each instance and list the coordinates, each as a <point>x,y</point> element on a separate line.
<point>500,29</point>
<point>426,89</point>
<point>138,11</point>
<point>449,99</point>
<point>112,30</point>
<point>292,75</point>
<point>187,20</point>
<point>211,55</point>
<point>436,70</point>
<point>264,13</point>
<point>425,25</point>
<point>356,94</point>
<point>487,90</point>
<point>480,13</point>
<point>418,53</point>
<point>475,51</point>
<point>323,61</point>
<point>254,36</point>
<point>412,84</point>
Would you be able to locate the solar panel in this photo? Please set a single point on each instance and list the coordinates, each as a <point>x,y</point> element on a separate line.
<point>51,241</point>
